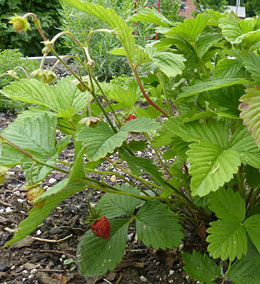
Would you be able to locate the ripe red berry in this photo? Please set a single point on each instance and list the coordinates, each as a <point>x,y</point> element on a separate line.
<point>101,228</point>
<point>130,117</point>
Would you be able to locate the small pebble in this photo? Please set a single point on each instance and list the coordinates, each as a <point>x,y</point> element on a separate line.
<point>17,193</point>
<point>129,237</point>
<point>2,211</point>
<point>31,276</point>
<point>38,232</point>
<point>142,278</point>
<point>170,281</point>
<point>13,267</point>
<point>113,178</point>
<point>171,272</point>
<point>34,271</point>
<point>20,200</point>
<point>25,271</point>
<point>8,210</point>
<point>52,180</point>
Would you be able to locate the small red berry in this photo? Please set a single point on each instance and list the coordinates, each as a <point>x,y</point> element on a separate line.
<point>130,117</point>
<point>101,228</point>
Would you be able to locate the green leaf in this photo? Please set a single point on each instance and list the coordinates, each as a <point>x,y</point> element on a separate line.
<point>169,63</point>
<point>252,225</point>
<point>250,108</point>
<point>201,267</point>
<point>137,145</point>
<point>251,40</point>
<point>9,156</point>
<point>116,205</point>
<point>231,29</point>
<point>96,255</point>
<point>109,16</point>
<point>227,68</point>
<point>148,15</point>
<point>156,225</point>
<point>141,124</point>
<point>34,135</point>
<point>205,86</point>
<point>211,167</point>
<point>100,140</point>
<point>252,176</point>
<point>228,205</point>
<point>125,96</point>
<point>246,270</point>
<point>244,144</point>
<point>215,132</point>
<point>62,96</point>
<point>205,41</point>
<point>37,215</point>
<point>190,28</point>
<point>251,62</point>
<point>227,239</point>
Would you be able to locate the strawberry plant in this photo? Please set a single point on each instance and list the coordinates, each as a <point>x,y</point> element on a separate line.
<point>201,85</point>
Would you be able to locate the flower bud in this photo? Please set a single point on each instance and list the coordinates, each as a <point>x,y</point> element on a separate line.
<point>46,76</point>
<point>90,121</point>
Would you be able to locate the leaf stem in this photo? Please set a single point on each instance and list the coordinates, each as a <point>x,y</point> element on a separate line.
<point>147,183</point>
<point>145,95</point>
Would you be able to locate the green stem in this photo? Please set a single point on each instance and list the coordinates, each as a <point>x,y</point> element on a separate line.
<point>112,173</point>
<point>165,93</point>
<point>107,101</point>
<point>71,71</point>
<point>159,156</point>
<point>64,163</point>
<point>240,182</point>
<point>116,191</point>
<point>148,184</point>
<point>145,95</point>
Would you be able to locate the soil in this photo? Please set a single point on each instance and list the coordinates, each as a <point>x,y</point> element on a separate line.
<point>48,256</point>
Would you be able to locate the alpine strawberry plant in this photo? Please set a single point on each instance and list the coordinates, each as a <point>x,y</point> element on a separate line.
<point>201,83</point>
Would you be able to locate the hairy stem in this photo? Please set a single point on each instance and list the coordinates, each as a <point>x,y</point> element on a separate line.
<point>145,95</point>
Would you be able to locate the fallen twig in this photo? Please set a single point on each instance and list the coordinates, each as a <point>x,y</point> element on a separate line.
<point>53,251</point>
<point>52,241</point>
<point>6,204</point>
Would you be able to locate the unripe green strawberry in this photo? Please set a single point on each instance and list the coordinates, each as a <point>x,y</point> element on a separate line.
<point>101,228</point>
<point>33,193</point>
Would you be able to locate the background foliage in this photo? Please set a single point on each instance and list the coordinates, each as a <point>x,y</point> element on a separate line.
<point>47,11</point>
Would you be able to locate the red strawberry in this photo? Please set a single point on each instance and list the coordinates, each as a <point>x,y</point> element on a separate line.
<point>130,117</point>
<point>101,228</point>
